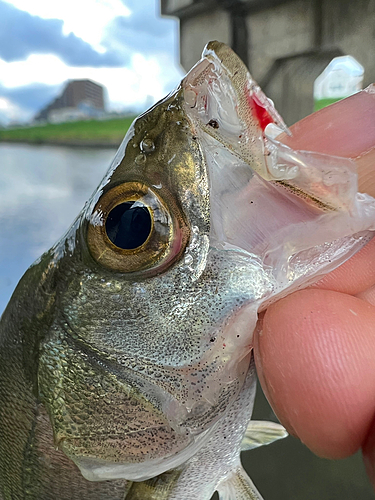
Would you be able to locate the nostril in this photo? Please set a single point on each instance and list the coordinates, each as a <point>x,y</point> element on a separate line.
<point>213,124</point>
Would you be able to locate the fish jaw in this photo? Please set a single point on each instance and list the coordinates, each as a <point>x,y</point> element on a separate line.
<point>216,466</point>
<point>226,103</point>
<point>298,211</point>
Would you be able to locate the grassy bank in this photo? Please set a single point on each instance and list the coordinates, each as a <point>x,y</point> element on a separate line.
<point>80,133</point>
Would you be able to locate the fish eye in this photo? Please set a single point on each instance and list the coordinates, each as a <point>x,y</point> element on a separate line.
<point>133,229</point>
<point>128,225</point>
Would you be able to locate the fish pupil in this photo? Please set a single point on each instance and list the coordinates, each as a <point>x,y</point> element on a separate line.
<point>128,226</point>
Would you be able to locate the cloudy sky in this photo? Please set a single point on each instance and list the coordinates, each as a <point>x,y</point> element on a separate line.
<point>122,44</point>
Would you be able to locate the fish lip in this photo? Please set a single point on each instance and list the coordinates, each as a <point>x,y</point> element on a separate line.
<point>225,102</point>
<point>305,180</point>
<point>243,82</point>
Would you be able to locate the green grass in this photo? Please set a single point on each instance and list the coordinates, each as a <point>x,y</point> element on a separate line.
<point>322,103</point>
<point>85,132</point>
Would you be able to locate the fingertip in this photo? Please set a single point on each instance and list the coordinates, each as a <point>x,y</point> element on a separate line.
<point>346,128</point>
<point>315,356</point>
<point>355,276</point>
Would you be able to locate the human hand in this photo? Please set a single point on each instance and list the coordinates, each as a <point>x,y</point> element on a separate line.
<point>315,349</point>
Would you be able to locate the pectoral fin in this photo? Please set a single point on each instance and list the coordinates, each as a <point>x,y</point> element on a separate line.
<point>157,488</point>
<point>260,433</point>
<point>238,486</point>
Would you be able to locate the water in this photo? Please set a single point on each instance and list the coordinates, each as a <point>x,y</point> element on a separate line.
<point>42,189</point>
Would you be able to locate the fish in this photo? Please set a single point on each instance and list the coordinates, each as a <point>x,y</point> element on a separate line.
<point>126,366</point>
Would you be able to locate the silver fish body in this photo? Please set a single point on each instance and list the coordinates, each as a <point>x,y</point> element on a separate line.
<point>125,351</point>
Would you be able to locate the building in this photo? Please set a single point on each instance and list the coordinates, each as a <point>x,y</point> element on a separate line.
<point>79,99</point>
<point>285,43</point>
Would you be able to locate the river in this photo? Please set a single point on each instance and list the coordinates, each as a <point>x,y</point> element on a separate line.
<point>42,189</point>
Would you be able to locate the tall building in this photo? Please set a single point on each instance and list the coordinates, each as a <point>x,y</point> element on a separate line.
<point>76,93</point>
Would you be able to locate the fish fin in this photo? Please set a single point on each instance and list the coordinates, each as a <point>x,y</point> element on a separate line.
<point>238,486</point>
<point>157,488</point>
<point>260,433</point>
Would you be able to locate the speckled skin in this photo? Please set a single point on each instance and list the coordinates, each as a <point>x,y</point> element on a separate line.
<point>209,469</point>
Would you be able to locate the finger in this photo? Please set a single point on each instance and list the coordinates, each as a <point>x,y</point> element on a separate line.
<point>346,128</point>
<point>368,295</point>
<point>355,276</point>
<point>315,360</point>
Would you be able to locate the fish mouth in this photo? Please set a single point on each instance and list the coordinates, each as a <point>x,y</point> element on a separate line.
<point>266,199</point>
<point>226,103</point>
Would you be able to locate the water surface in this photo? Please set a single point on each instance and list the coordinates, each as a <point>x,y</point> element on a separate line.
<point>42,189</point>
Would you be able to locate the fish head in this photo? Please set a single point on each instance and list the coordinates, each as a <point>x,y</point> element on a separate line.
<point>161,276</point>
<point>143,357</point>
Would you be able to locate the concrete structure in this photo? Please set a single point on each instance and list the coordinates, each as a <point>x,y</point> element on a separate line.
<point>79,99</point>
<point>285,43</point>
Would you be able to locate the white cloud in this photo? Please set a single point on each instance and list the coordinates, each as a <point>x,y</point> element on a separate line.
<point>87,19</point>
<point>10,112</point>
<point>147,78</point>
<point>144,79</point>
<point>48,69</point>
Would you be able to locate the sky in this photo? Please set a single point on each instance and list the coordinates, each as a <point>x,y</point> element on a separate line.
<point>124,45</point>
